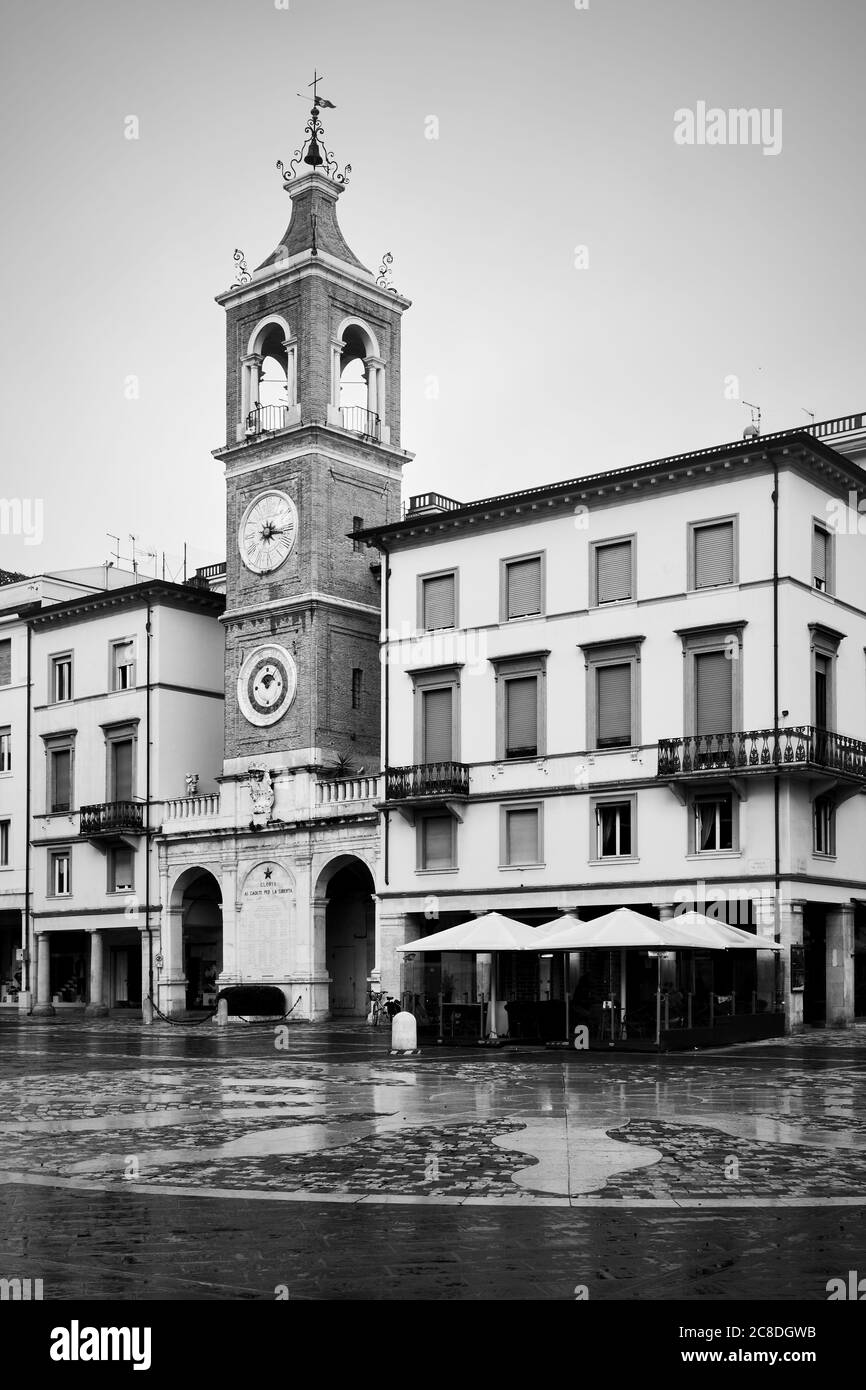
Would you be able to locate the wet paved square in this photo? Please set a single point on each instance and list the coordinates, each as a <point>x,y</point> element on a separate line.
<point>190,1163</point>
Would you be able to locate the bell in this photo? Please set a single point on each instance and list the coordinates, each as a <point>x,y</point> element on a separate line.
<point>314,153</point>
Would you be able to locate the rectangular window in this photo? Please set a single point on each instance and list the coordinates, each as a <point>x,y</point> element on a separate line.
<point>5,838</point>
<point>357,525</point>
<point>122,665</point>
<point>714,693</point>
<point>357,686</point>
<point>436,848</point>
<point>6,749</point>
<point>521,835</point>
<point>521,717</point>
<point>61,678</point>
<point>121,770</point>
<point>438,729</point>
<point>714,823</point>
<point>613,704</point>
<point>820,558</point>
<point>60,779</point>
<point>60,879</point>
<point>824,824</point>
<point>613,572</point>
<point>6,661</point>
<point>121,871</point>
<point>613,830</point>
<point>522,585</point>
<point>438,606</point>
<point>713,561</point>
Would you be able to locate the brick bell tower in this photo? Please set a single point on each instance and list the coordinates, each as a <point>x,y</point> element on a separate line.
<point>312,453</point>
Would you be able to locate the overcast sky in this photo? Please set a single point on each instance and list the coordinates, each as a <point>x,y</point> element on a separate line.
<point>556,131</point>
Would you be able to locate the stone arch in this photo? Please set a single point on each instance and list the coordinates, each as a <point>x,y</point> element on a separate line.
<point>346,922</point>
<point>268,385</point>
<point>194,938</point>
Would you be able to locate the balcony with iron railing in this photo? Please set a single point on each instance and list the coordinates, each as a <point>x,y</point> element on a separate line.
<point>803,747</point>
<point>357,420</point>
<point>112,818</point>
<point>268,419</point>
<point>427,781</point>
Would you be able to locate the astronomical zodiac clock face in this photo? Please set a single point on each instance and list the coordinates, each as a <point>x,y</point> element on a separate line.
<point>267,684</point>
<point>268,531</point>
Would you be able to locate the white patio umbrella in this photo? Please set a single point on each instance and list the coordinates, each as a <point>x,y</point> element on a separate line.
<point>715,934</point>
<point>621,928</point>
<point>491,933</point>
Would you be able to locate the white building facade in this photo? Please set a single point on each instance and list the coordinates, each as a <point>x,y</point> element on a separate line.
<point>645,688</point>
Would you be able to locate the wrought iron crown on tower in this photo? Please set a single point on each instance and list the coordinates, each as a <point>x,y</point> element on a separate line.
<point>313,151</point>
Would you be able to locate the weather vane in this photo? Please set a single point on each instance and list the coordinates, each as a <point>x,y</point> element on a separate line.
<point>312,152</point>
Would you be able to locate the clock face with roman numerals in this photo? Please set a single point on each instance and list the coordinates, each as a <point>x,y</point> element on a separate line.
<point>267,684</point>
<point>268,530</point>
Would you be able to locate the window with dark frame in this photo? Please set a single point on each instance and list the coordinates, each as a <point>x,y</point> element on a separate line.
<point>6,749</point>
<point>438,608</point>
<point>61,679</point>
<point>613,829</point>
<point>121,870</point>
<point>357,525</point>
<point>521,716</point>
<point>613,572</point>
<point>820,558</point>
<point>6,661</point>
<point>437,725</point>
<point>357,686</point>
<point>60,879</point>
<point>713,554</point>
<point>824,825</point>
<point>523,587</point>
<point>121,770</point>
<point>614,705</point>
<point>60,779</point>
<point>522,836</point>
<point>437,842</point>
<point>714,823</point>
<point>5,838</point>
<point>122,665</point>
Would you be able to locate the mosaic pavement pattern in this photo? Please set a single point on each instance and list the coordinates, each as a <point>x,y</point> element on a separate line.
<point>334,1118</point>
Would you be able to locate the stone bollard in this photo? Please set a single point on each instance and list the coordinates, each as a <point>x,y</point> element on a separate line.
<point>147,1011</point>
<point>221,1018</point>
<point>404,1034</point>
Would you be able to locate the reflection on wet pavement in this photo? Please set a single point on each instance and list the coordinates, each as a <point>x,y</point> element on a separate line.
<point>335,1116</point>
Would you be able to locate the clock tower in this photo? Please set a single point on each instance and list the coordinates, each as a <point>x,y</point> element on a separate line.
<point>269,886</point>
<point>312,454</point>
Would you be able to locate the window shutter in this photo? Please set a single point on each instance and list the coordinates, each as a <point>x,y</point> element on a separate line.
<point>522,836</point>
<point>123,771</point>
<point>713,693</point>
<point>614,705</point>
<point>438,747</point>
<point>819,557</point>
<point>613,572</point>
<point>714,555</point>
<point>437,842</point>
<point>6,662</point>
<point>62,800</point>
<point>523,579</point>
<point>521,716</point>
<point>439,601</point>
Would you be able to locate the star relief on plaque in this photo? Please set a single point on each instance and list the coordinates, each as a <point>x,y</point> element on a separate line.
<point>268,531</point>
<point>267,684</point>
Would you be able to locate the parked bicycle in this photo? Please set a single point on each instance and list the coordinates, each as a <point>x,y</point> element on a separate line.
<point>385,1006</point>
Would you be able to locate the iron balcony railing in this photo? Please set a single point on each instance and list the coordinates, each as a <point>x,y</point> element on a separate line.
<point>112,817</point>
<point>756,749</point>
<point>426,779</point>
<point>360,421</point>
<point>267,419</point>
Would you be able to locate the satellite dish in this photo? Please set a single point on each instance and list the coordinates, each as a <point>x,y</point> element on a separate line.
<point>751,432</point>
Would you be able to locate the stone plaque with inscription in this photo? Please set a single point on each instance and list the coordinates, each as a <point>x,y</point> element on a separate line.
<point>264,926</point>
